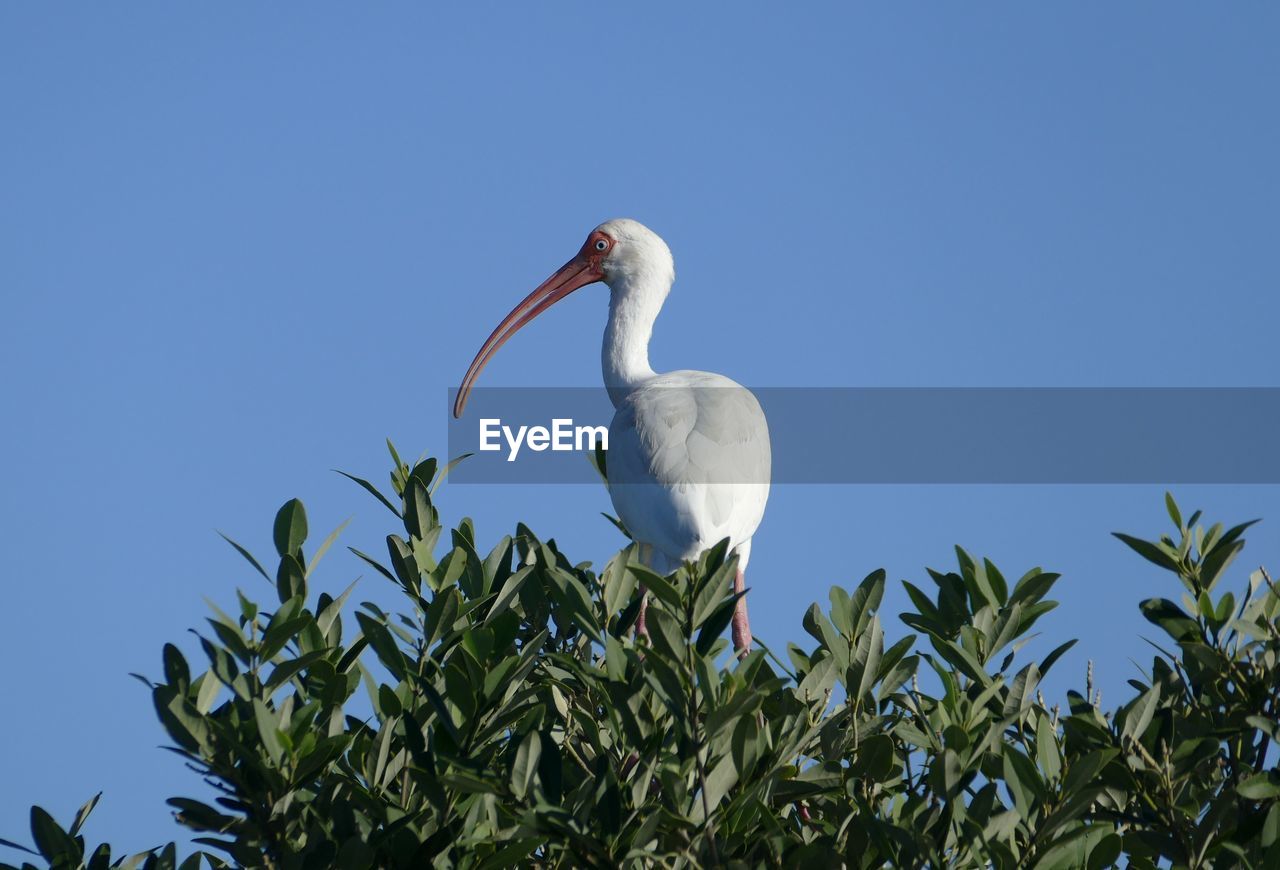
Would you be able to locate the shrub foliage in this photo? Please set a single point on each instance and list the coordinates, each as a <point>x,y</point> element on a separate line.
<point>511,716</point>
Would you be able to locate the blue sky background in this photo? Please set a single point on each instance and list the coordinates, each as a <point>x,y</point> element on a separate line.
<point>240,245</point>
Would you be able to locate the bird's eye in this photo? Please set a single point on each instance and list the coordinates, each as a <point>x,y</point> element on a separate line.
<point>602,245</point>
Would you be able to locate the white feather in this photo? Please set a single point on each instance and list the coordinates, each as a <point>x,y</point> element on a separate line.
<point>689,456</point>
<point>689,463</point>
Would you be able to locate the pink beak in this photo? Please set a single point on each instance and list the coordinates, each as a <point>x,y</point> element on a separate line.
<point>586,268</point>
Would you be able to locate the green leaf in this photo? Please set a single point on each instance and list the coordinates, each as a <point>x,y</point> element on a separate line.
<point>395,455</point>
<point>615,658</point>
<point>572,598</point>
<point>1271,828</point>
<point>234,642</point>
<point>1261,787</point>
<point>388,703</point>
<point>424,471</point>
<point>1221,554</point>
<point>176,671</point>
<point>1171,618</point>
<point>1106,852</point>
<point>444,472</point>
<point>895,654</point>
<point>1033,586</point>
<point>1226,605</point>
<point>1054,656</point>
<point>819,680</point>
<point>507,594</point>
<point>927,609</point>
<point>1083,770</point>
<point>619,584</point>
<point>12,845</point>
<point>280,633</point>
<point>617,524</point>
<point>419,515</point>
<point>479,643</point>
<point>1021,692</point>
<point>290,529</point>
<point>986,589</point>
<point>1172,507</point>
<point>864,665</point>
<point>82,814</point>
<point>865,601</point>
<point>248,609</point>
<point>1023,780</point>
<point>330,612</point>
<point>1153,553</point>
<point>716,623</point>
<point>375,564</point>
<point>248,556</point>
<point>841,610</point>
<point>324,546</point>
<point>181,719</point>
<point>720,779</point>
<point>525,766</point>
<point>289,669</point>
<point>551,769</point>
<point>373,490</point>
<point>1139,714</point>
<point>657,584</point>
<point>875,759</point>
<point>961,659</point>
<point>55,844</point>
<point>442,615</point>
<point>383,644</point>
<point>291,579</point>
<point>207,692</point>
<point>1047,747</point>
<point>268,729</point>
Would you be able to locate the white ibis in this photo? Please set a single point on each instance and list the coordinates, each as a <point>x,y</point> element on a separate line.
<point>688,460</point>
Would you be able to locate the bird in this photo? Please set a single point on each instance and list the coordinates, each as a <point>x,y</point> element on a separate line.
<point>688,460</point>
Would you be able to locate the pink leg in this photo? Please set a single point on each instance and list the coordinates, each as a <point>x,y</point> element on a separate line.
<point>741,625</point>
<point>641,629</point>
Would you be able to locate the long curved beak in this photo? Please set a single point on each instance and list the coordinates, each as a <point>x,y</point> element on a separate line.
<point>578,272</point>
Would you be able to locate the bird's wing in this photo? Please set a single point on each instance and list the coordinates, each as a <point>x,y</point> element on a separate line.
<point>689,462</point>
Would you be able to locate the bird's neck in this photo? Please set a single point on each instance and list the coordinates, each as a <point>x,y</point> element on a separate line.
<point>633,307</point>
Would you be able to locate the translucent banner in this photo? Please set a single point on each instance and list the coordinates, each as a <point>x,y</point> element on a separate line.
<point>897,435</point>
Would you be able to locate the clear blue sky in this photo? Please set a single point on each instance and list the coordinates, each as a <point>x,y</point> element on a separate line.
<point>240,245</point>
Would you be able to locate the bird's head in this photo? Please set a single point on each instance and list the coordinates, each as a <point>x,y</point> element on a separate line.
<point>622,253</point>
<point>633,255</point>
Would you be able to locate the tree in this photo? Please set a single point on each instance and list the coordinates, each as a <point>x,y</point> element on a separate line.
<point>516,719</point>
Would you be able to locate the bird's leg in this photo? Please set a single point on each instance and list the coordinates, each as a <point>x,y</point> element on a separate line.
<point>647,558</point>
<point>741,625</point>
<point>641,629</point>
